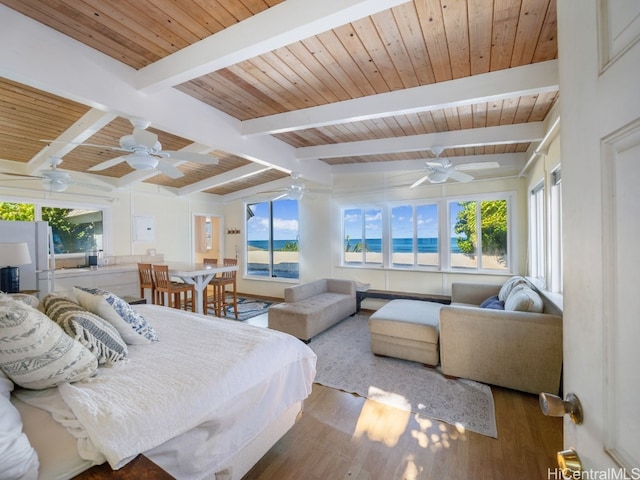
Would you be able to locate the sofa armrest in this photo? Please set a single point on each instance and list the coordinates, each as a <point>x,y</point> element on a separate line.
<point>519,350</point>
<point>348,287</point>
<point>472,293</point>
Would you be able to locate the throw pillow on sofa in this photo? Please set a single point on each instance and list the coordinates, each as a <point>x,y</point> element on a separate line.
<point>493,303</point>
<point>509,285</point>
<point>524,299</point>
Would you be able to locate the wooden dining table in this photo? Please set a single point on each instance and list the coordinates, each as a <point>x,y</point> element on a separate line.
<point>199,275</point>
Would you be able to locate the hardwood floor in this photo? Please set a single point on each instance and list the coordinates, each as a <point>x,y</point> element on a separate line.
<point>340,435</point>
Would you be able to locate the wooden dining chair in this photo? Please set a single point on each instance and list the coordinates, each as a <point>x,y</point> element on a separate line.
<point>208,300</point>
<point>172,290</point>
<point>145,277</point>
<point>220,290</point>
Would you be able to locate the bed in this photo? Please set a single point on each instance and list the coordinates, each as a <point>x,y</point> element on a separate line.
<point>204,400</point>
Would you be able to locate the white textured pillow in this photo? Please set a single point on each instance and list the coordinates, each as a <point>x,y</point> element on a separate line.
<point>18,458</point>
<point>510,285</point>
<point>523,299</point>
<point>23,297</point>
<point>34,351</point>
<point>133,327</point>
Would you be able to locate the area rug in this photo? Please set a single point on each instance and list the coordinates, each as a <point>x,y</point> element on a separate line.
<point>345,362</point>
<point>247,308</point>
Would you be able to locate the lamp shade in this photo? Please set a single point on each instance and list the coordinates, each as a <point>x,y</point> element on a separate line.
<point>12,254</point>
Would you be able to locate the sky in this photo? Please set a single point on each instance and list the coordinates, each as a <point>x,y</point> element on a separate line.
<point>401,221</point>
<point>285,221</point>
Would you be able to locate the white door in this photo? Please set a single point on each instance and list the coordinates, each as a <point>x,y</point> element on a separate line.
<point>599,55</point>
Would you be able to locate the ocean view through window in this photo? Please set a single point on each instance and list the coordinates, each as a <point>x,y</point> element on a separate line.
<point>272,239</point>
<point>470,234</point>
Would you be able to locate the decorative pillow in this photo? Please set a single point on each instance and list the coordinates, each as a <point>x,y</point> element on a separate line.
<point>493,303</point>
<point>36,353</point>
<point>55,305</point>
<point>19,459</point>
<point>523,299</point>
<point>133,327</point>
<point>95,333</point>
<point>23,297</point>
<point>509,285</point>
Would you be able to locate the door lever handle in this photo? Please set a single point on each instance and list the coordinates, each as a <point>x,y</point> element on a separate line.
<point>554,406</point>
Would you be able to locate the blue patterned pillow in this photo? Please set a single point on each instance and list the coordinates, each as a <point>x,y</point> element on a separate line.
<point>133,327</point>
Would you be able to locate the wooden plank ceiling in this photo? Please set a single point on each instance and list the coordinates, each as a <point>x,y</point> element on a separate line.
<point>414,44</point>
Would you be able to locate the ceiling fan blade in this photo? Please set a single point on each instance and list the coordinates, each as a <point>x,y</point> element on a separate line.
<point>280,197</point>
<point>169,170</point>
<point>420,181</point>
<point>204,159</point>
<point>25,176</point>
<point>459,176</point>
<point>90,185</point>
<point>477,166</point>
<point>107,164</point>
<point>80,144</point>
<point>144,137</point>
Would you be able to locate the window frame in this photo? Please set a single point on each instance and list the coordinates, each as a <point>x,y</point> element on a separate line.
<point>444,240</point>
<point>537,217</point>
<point>270,276</point>
<point>38,204</point>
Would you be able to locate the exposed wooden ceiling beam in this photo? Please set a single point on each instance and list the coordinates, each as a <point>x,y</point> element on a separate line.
<point>514,82</point>
<point>233,175</point>
<point>519,133</point>
<point>280,25</point>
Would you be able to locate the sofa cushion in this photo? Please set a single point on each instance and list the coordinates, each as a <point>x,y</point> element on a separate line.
<point>412,319</point>
<point>523,299</point>
<point>510,285</point>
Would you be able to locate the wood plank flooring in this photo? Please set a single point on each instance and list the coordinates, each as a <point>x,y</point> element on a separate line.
<point>343,436</point>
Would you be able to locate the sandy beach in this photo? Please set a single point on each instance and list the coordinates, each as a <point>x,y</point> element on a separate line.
<point>461,260</point>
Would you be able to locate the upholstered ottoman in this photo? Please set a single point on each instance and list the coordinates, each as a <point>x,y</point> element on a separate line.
<point>407,329</point>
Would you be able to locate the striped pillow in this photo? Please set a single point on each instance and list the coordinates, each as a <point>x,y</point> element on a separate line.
<point>95,333</point>
<point>92,331</point>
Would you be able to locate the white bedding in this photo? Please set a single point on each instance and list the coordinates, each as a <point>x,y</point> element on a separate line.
<point>221,381</point>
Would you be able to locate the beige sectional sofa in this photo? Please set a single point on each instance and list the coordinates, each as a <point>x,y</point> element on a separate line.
<point>311,308</point>
<point>520,349</point>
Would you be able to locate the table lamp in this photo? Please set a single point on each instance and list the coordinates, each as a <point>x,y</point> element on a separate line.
<point>12,254</point>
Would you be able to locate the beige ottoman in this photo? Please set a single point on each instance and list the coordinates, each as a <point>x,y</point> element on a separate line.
<point>407,329</point>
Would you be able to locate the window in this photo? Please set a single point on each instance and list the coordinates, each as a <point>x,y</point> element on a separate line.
<point>445,234</point>
<point>272,239</point>
<point>414,236</point>
<point>537,244</point>
<point>555,228</point>
<point>75,230</point>
<point>479,235</point>
<point>362,236</point>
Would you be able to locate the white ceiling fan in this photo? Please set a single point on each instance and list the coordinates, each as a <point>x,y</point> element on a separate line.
<point>440,170</point>
<point>144,152</point>
<point>296,189</point>
<point>54,179</point>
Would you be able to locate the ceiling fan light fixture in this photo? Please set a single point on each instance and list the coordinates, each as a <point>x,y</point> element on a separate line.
<point>56,185</point>
<point>295,192</point>
<point>142,161</point>
<point>438,177</point>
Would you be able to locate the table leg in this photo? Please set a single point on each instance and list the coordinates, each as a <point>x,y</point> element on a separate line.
<point>199,283</point>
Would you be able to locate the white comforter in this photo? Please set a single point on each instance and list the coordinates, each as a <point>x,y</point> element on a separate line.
<point>222,379</point>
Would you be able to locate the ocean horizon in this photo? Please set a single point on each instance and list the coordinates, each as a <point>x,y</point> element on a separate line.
<point>374,245</point>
